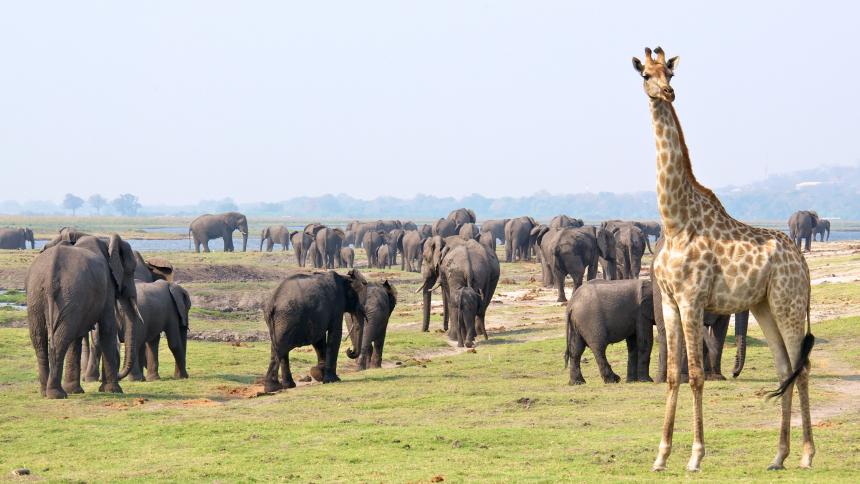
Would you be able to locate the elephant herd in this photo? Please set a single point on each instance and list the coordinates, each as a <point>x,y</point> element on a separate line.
<point>77,319</point>
<point>804,225</point>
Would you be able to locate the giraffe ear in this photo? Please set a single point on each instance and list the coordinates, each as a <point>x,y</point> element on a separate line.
<point>673,63</point>
<point>637,64</point>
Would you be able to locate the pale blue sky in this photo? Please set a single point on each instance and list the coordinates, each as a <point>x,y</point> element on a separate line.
<point>262,101</point>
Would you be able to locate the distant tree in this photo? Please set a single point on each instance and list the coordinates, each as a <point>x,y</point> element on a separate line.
<point>97,202</point>
<point>72,202</point>
<point>227,205</point>
<point>126,204</point>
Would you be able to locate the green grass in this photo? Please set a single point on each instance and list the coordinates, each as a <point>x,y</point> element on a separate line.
<point>839,294</point>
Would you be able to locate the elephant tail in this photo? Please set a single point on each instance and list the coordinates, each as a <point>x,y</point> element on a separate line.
<point>648,244</point>
<point>568,337</point>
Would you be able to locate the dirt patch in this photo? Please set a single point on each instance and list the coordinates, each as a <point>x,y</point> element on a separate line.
<point>125,405</point>
<point>226,273</point>
<point>199,402</point>
<point>225,336</point>
<point>252,391</point>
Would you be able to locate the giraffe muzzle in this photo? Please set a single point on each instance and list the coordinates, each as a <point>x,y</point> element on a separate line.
<point>668,93</point>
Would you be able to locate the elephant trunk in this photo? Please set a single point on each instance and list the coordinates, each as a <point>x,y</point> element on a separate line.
<point>425,324</point>
<point>356,335</point>
<point>245,240</point>
<point>262,239</point>
<point>133,320</point>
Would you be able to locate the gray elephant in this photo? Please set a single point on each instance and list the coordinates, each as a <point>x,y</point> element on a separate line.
<point>650,228</point>
<point>518,240</point>
<point>495,227</point>
<point>69,289</point>
<point>394,239</point>
<point>488,240</point>
<point>568,251</point>
<point>313,253</point>
<point>348,237</point>
<point>604,312</point>
<point>301,243</point>
<point>347,257</point>
<point>307,309</point>
<point>426,231</point>
<point>565,222</point>
<point>455,263</point>
<point>413,246</point>
<point>469,231</point>
<point>275,234</point>
<point>801,226</point>
<point>462,216</point>
<point>378,304</point>
<point>444,228</point>
<point>207,227</point>
<point>607,252</point>
<point>466,302</point>
<point>17,238</point>
<point>328,244</point>
<point>383,257</point>
<point>164,307</point>
<point>823,227</point>
<point>361,230</point>
<point>371,243</point>
<point>630,244</point>
<point>410,225</point>
<point>152,269</point>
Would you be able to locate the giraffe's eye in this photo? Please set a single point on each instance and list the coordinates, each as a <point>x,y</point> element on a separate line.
<point>646,76</point>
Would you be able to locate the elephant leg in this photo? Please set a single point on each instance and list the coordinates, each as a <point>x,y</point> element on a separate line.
<point>107,328</point>
<point>376,359</point>
<point>715,339</point>
<point>644,344</point>
<point>479,323</point>
<point>92,371</point>
<point>332,347</point>
<point>40,344</point>
<point>205,244</point>
<point>606,372</point>
<point>559,281</point>
<point>578,348</point>
<point>270,381</point>
<point>286,374</point>
<point>177,348</point>
<point>632,358</point>
<point>144,360</point>
<point>57,346</point>
<point>152,359</point>
<point>141,363</point>
<point>72,375</point>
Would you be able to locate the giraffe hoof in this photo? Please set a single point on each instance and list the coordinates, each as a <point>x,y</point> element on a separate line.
<point>693,468</point>
<point>776,467</point>
<point>658,468</point>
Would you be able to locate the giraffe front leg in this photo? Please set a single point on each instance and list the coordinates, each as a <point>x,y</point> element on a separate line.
<point>672,324</point>
<point>691,320</point>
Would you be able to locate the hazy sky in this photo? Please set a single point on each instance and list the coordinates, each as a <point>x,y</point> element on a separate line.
<point>262,101</point>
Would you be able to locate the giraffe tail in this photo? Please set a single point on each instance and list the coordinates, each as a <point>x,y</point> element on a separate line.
<point>803,361</point>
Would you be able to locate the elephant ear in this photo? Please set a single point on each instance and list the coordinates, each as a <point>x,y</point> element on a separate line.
<point>472,215</point>
<point>340,233</point>
<point>539,232</point>
<point>646,299</point>
<point>392,296</point>
<point>181,302</point>
<point>115,261</point>
<point>532,220</point>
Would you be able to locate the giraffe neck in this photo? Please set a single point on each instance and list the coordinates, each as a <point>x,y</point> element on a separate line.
<point>677,188</point>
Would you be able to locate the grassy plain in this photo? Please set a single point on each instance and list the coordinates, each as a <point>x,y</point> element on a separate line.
<point>502,413</point>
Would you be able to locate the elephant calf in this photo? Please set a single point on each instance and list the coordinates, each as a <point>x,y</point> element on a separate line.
<point>347,257</point>
<point>466,303</point>
<point>383,257</point>
<point>378,303</point>
<point>604,312</point>
<point>164,307</point>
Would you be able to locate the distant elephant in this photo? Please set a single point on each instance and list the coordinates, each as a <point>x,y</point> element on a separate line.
<point>313,253</point>
<point>821,228</point>
<point>608,253</point>
<point>650,228</point>
<point>495,227</point>
<point>378,303</point>
<point>630,244</point>
<point>164,307</point>
<point>410,225</point>
<point>301,243</point>
<point>426,231</point>
<point>389,225</point>
<point>17,238</point>
<point>69,289</point>
<point>207,227</point>
<point>456,263</point>
<point>462,216</point>
<point>348,237</point>
<point>518,238</point>
<point>604,312</point>
<point>444,228</point>
<point>801,226</point>
<point>307,309</point>
<point>469,231</point>
<point>568,251</point>
<point>564,221</point>
<point>328,244</point>
<point>362,228</point>
<point>347,257</point>
<point>275,234</point>
<point>413,246</point>
<point>488,240</point>
<point>714,336</point>
<point>394,239</point>
<point>383,258</point>
<point>371,243</point>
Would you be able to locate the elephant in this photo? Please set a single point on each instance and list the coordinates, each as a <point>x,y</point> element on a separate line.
<point>568,251</point>
<point>316,259</point>
<point>395,244</point>
<point>17,238</point>
<point>413,246</point>
<point>307,309</point>
<point>207,227</point>
<point>389,225</point>
<point>821,228</point>
<point>469,231</point>
<point>564,221</point>
<point>466,301</point>
<point>801,226</point>
<point>328,244</point>
<point>371,243</point>
<point>164,307</point>
<point>488,240</point>
<point>518,241</point>
<point>378,303</point>
<point>301,243</point>
<point>462,216</point>
<point>495,227</point>
<point>630,244</point>
<point>456,263</point>
<point>426,231</point>
<point>444,228</point>
<point>275,234</point>
<point>410,225</point>
<point>66,234</point>
<point>153,269</point>
<point>383,257</point>
<point>604,312</point>
<point>348,237</point>
<point>608,253</point>
<point>71,288</point>
<point>347,257</point>
<point>362,228</point>
<point>714,336</point>
<point>650,228</point>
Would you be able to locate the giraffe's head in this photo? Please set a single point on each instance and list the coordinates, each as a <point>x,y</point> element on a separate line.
<point>656,74</point>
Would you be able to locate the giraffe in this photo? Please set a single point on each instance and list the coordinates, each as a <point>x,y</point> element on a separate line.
<point>710,261</point>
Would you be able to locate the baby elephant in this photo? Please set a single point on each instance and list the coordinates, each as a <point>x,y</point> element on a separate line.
<point>347,257</point>
<point>382,257</point>
<point>164,307</point>
<point>603,312</point>
<point>378,302</point>
<point>466,303</point>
